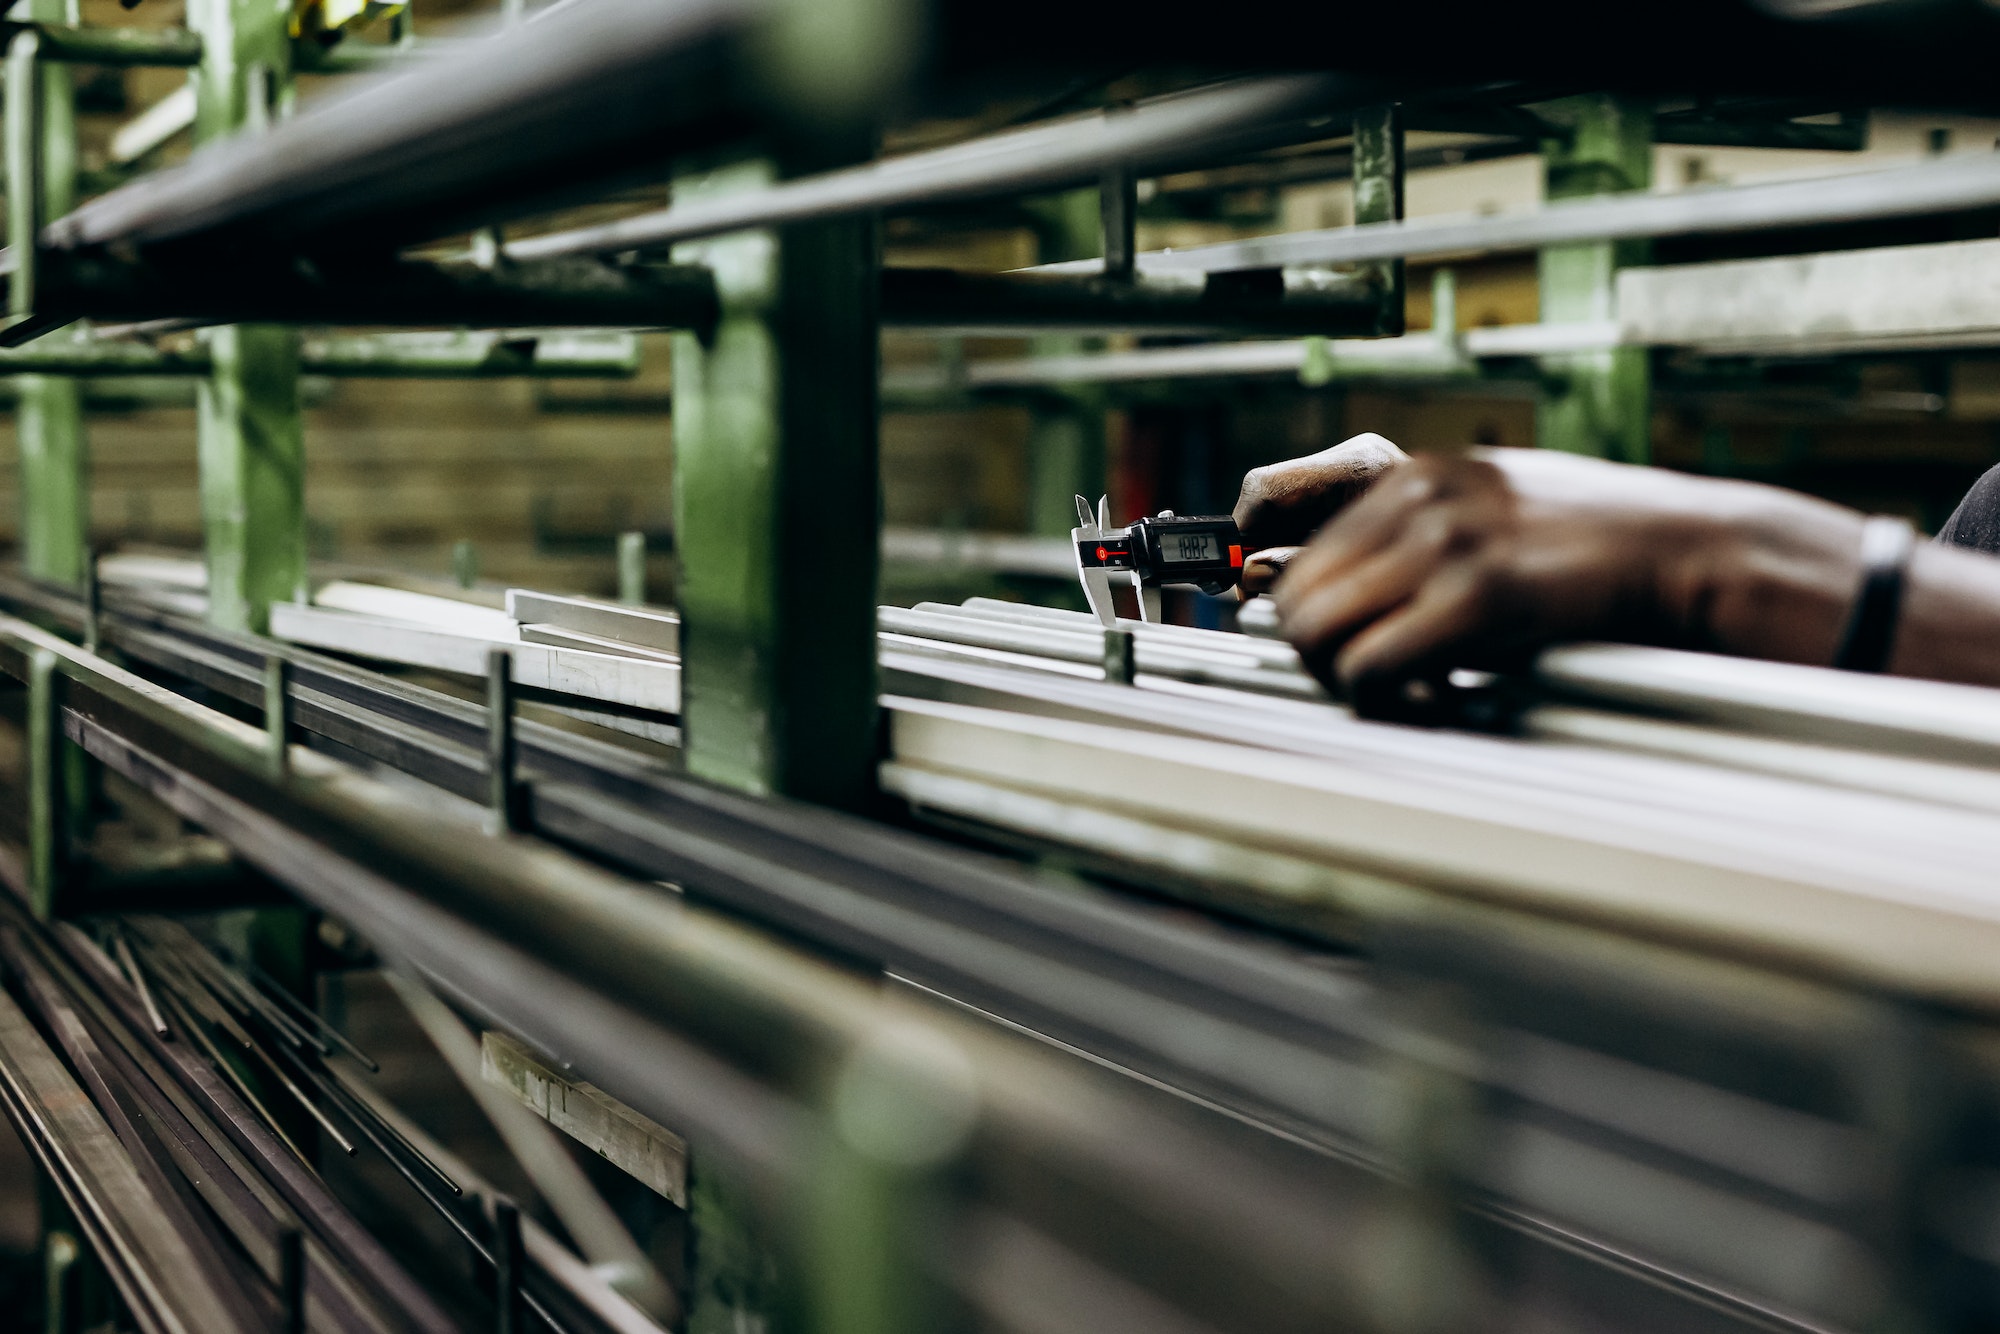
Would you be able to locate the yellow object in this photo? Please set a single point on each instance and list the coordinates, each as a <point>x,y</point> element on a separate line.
<point>315,17</point>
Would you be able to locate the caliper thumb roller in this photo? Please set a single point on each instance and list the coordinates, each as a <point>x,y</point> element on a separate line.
<point>1204,552</point>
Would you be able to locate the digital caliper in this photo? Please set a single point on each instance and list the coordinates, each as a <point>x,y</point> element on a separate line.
<point>1204,552</point>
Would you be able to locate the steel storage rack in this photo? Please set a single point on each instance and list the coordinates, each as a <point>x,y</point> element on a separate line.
<point>944,969</point>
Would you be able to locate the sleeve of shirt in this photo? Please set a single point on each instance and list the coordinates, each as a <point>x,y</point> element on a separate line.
<point>1976,521</point>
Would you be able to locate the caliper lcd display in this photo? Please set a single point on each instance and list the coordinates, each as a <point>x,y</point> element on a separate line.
<point>1189,548</point>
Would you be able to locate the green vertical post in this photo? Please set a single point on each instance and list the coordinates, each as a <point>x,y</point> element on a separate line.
<point>250,432</point>
<point>1378,197</point>
<point>777,530</point>
<point>777,498</point>
<point>1066,445</point>
<point>48,418</point>
<point>1594,402</point>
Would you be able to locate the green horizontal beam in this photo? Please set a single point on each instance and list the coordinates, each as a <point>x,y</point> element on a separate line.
<point>387,356</point>
<point>169,47</point>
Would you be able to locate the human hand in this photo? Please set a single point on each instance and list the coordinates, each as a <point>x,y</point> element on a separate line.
<point>1477,559</point>
<point>1282,505</point>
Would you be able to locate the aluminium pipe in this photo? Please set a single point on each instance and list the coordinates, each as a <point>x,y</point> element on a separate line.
<point>581,94</point>
<point>946,299</point>
<point>1953,184</point>
<point>1074,150</point>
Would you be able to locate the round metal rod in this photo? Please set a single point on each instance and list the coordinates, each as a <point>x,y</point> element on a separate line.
<point>1040,157</point>
<point>1949,185</point>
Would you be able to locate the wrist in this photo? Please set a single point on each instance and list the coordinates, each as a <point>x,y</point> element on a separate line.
<point>1767,574</point>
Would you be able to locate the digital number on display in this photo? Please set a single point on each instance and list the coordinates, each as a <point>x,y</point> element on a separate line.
<point>1189,548</point>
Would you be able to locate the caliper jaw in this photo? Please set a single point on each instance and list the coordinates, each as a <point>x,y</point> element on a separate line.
<point>1096,581</point>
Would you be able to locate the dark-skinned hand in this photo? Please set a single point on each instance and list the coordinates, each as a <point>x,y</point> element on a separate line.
<point>1282,505</point>
<point>1475,559</point>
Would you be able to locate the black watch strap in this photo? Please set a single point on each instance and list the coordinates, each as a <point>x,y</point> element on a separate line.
<point>1870,636</point>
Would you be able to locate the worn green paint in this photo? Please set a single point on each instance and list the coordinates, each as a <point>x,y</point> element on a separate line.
<point>1067,453</point>
<point>777,498</point>
<point>1378,197</point>
<point>248,423</point>
<point>252,462</point>
<point>48,419</point>
<point>777,519</point>
<point>1596,402</point>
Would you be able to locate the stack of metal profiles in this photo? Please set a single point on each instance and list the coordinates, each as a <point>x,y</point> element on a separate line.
<point>1666,1008</point>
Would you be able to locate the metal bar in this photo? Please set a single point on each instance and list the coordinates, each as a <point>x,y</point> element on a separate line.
<point>1413,356</point>
<point>1076,151</point>
<point>49,868</point>
<point>635,1059</point>
<point>93,604</point>
<point>1118,204</point>
<point>973,303</point>
<point>152,1264</point>
<point>507,1267</point>
<point>292,1281</point>
<point>616,679</point>
<point>546,106</point>
<point>278,714</point>
<point>282,1180</point>
<point>227,1285</point>
<point>502,755</point>
<point>566,293</point>
<point>684,843</point>
<point>531,353</point>
<point>1958,183</point>
<point>639,626</point>
<point>154,126</point>
<point>123,948</point>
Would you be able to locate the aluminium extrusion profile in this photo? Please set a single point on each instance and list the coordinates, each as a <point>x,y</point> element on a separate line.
<point>1925,924</point>
<point>1554,1163</point>
<point>652,628</point>
<point>612,678</point>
